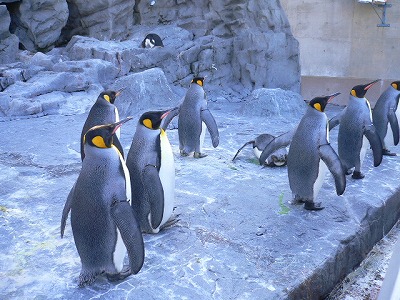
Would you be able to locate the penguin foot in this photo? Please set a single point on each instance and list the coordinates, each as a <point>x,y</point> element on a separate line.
<point>86,278</point>
<point>388,153</point>
<point>357,175</point>
<point>199,155</point>
<point>183,153</point>
<point>348,172</point>
<point>297,200</point>
<point>313,206</point>
<point>170,222</point>
<point>125,272</point>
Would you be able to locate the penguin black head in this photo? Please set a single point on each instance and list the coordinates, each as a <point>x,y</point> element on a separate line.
<point>396,85</point>
<point>198,80</point>
<point>359,91</point>
<point>319,103</point>
<point>101,136</point>
<point>152,119</point>
<point>110,96</point>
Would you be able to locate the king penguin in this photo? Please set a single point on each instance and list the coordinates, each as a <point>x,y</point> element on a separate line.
<point>386,112</point>
<point>103,223</point>
<point>194,118</point>
<point>152,40</point>
<point>151,166</point>
<point>310,155</point>
<point>103,111</point>
<point>276,159</point>
<point>357,132</point>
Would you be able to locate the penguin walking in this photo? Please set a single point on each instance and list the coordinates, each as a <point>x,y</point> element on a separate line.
<point>103,111</point>
<point>152,40</point>
<point>194,118</point>
<point>103,223</point>
<point>386,112</point>
<point>276,159</point>
<point>310,155</point>
<point>357,132</point>
<point>151,166</point>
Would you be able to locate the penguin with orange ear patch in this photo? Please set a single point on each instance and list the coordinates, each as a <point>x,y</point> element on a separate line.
<point>357,132</point>
<point>310,155</point>
<point>152,169</point>
<point>103,111</point>
<point>386,115</point>
<point>103,223</point>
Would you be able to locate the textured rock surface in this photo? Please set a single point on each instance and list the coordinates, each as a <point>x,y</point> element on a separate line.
<point>104,20</point>
<point>255,38</point>
<point>246,42</point>
<point>38,24</point>
<point>273,102</point>
<point>8,41</point>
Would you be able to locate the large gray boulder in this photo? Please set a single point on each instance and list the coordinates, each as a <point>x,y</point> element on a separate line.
<point>144,91</point>
<point>273,103</point>
<point>38,24</point>
<point>8,42</point>
<point>44,85</point>
<point>104,20</point>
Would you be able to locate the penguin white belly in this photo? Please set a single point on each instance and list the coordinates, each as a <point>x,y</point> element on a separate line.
<point>202,135</point>
<point>388,140</point>
<point>364,148</point>
<point>322,169</point>
<point>120,249</point>
<point>257,152</point>
<point>118,132</point>
<point>167,176</point>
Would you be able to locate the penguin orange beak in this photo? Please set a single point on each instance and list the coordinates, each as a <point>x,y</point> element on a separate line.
<point>120,123</point>
<point>165,114</point>
<point>368,85</point>
<point>333,96</point>
<point>119,92</point>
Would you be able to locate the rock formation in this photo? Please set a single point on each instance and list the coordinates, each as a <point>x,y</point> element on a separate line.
<point>237,45</point>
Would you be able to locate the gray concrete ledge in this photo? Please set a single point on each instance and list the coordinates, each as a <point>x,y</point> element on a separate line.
<point>237,236</point>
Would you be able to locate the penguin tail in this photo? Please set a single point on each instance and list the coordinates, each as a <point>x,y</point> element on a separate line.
<point>240,149</point>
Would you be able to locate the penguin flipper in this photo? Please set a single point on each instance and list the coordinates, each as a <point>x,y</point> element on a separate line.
<point>278,142</point>
<point>394,124</point>
<point>155,192</point>
<point>240,149</point>
<point>332,161</point>
<point>168,118</point>
<point>125,220</point>
<point>375,142</point>
<point>66,209</point>
<point>335,121</point>
<point>212,127</point>
<point>117,144</point>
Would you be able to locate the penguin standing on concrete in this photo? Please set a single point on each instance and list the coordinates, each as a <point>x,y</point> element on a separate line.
<point>152,40</point>
<point>310,155</point>
<point>386,112</point>
<point>276,159</point>
<point>357,132</point>
<point>103,111</point>
<point>151,166</point>
<point>194,118</point>
<point>102,220</point>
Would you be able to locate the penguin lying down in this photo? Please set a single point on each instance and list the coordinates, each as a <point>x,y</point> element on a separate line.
<point>276,159</point>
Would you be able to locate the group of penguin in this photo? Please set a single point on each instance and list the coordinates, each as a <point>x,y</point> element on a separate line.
<point>310,153</point>
<point>114,200</point>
